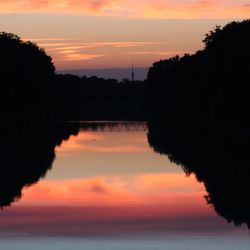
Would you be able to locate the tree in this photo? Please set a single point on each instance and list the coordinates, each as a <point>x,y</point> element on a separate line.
<point>26,73</point>
<point>213,83</point>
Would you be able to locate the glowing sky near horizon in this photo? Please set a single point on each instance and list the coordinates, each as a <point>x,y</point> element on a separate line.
<point>112,33</point>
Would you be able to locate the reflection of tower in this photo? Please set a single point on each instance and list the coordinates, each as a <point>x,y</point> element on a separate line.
<point>132,73</point>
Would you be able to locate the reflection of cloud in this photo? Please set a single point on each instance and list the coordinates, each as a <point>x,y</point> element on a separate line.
<point>74,144</point>
<point>97,188</point>
<point>174,182</point>
<point>129,189</point>
<point>161,221</point>
<point>86,142</point>
<point>140,9</point>
<point>77,147</point>
<point>86,186</point>
<point>113,205</point>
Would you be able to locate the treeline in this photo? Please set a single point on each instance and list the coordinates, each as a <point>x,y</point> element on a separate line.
<point>98,98</point>
<point>30,88</point>
<point>26,75</point>
<point>213,83</point>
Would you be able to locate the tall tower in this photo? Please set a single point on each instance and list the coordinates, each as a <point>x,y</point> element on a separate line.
<point>132,73</point>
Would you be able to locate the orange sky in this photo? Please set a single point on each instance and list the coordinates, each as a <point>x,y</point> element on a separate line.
<point>111,33</point>
<point>134,9</point>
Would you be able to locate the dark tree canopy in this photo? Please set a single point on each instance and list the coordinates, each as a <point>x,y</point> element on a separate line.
<point>23,60</point>
<point>233,35</point>
<point>30,88</point>
<point>212,83</point>
<point>26,73</point>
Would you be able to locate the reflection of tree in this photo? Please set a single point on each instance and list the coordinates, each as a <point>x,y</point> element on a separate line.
<point>27,153</point>
<point>113,126</point>
<point>218,156</point>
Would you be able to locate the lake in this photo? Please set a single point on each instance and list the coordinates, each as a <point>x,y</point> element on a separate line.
<point>111,185</point>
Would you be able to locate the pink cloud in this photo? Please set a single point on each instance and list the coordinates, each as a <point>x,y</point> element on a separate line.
<point>160,53</point>
<point>76,49</point>
<point>140,9</point>
<point>97,5</point>
<point>71,56</point>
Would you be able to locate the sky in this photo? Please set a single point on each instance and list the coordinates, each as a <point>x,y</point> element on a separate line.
<point>94,34</point>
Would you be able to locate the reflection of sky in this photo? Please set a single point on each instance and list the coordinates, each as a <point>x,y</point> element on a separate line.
<point>102,153</point>
<point>144,243</point>
<point>110,184</point>
<point>112,168</point>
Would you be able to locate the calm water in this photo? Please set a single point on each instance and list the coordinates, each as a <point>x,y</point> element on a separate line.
<point>108,189</point>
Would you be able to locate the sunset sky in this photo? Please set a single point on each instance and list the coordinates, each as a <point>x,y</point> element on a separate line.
<point>94,34</point>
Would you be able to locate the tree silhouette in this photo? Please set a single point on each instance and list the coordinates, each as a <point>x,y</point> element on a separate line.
<point>26,74</point>
<point>213,83</point>
<point>30,89</point>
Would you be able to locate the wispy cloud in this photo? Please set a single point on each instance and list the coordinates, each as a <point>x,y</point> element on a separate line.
<point>72,56</point>
<point>76,49</point>
<point>160,53</point>
<point>80,43</point>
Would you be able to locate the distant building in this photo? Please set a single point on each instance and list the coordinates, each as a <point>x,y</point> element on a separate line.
<point>132,73</point>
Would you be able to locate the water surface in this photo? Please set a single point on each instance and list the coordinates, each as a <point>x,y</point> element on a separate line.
<point>108,189</point>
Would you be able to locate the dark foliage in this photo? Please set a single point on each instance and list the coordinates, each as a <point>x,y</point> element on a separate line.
<point>93,98</point>
<point>30,88</point>
<point>212,83</point>
<point>26,73</point>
